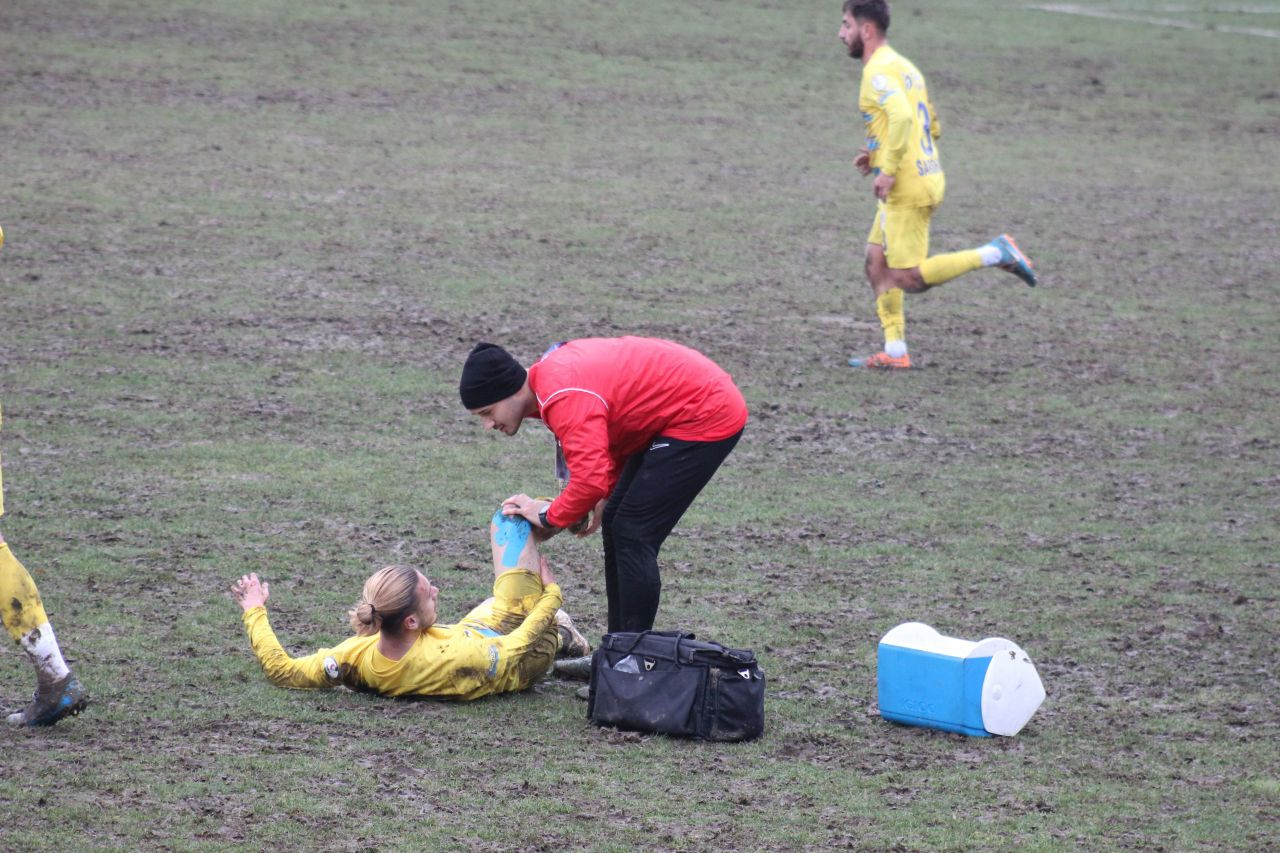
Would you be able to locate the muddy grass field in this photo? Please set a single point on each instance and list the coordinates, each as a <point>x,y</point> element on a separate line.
<point>249,245</point>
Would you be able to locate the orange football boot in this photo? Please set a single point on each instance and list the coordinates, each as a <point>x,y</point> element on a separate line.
<point>882,361</point>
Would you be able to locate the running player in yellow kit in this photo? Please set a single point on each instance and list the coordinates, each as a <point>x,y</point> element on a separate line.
<point>901,150</point>
<point>505,643</point>
<point>58,692</point>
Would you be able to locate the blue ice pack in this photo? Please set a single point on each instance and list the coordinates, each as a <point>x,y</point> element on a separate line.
<point>984,688</point>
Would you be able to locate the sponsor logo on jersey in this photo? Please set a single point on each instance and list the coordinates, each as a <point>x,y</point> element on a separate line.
<point>493,661</point>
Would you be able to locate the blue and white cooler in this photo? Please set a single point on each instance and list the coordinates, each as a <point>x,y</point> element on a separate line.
<point>985,688</point>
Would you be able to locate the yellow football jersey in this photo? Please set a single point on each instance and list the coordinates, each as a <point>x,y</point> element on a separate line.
<point>902,129</point>
<point>447,661</point>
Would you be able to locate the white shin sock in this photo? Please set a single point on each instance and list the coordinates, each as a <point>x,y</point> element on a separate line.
<point>41,647</point>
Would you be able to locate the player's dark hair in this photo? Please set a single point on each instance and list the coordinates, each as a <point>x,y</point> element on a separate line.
<point>875,11</point>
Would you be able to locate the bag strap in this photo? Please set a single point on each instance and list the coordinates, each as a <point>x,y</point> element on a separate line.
<point>739,656</point>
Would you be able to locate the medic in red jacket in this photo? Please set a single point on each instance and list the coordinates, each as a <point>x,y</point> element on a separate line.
<point>606,399</point>
<point>643,424</point>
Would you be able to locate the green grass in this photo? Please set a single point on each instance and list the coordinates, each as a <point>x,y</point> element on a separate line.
<point>249,245</point>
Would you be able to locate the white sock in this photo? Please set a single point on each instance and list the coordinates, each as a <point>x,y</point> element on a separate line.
<point>990,255</point>
<point>41,647</point>
<point>895,349</point>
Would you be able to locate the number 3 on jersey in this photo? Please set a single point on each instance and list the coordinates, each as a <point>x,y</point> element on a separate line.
<point>926,139</point>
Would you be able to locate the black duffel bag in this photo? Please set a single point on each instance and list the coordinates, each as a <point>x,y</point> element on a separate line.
<point>671,683</point>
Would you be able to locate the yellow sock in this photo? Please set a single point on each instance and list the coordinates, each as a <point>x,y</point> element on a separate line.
<point>892,318</point>
<point>942,268</point>
<point>20,605</point>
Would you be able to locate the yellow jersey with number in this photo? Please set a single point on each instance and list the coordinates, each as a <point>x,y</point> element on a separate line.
<point>902,129</point>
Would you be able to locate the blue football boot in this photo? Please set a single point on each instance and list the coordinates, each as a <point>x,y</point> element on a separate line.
<point>1012,259</point>
<point>63,698</point>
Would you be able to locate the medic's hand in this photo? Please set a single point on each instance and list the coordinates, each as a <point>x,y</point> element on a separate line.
<point>525,507</point>
<point>597,516</point>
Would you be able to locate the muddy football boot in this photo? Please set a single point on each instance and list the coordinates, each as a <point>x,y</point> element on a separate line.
<point>61,699</point>
<point>583,693</point>
<point>1012,260</point>
<point>882,361</point>
<point>578,668</point>
<point>572,643</point>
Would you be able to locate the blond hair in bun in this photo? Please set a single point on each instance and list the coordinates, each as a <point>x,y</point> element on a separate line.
<point>390,594</point>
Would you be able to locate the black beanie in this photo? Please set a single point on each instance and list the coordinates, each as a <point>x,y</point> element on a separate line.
<point>489,375</point>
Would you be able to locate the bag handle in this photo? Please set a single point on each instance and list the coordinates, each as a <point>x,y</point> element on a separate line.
<point>678,635</point>
<point>734,655</point>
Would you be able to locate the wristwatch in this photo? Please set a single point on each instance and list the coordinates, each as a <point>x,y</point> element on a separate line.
<point>542,518</point>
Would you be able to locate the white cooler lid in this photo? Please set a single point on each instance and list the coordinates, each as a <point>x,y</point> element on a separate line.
<point>1012,690</point>
<point>921,637</point>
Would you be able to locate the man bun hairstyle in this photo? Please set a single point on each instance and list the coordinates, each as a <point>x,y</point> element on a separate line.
<point>489,375</point>
<point>875,11</point>
<point>389,596</point>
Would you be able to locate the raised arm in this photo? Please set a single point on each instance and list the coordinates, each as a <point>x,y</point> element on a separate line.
<point>280,669</point>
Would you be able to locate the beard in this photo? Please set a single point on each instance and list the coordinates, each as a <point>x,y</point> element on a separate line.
<point>856,49</point>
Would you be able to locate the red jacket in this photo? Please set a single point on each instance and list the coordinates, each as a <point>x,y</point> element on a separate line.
<point>608,398</point>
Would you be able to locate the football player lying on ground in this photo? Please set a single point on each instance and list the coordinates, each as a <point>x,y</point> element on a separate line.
<point>505,644</point>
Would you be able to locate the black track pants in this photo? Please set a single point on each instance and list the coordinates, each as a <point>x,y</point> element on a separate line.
<point>656,487</point>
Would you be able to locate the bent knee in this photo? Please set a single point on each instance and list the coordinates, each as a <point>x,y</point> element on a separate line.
<point>513,544</point>
<point>874,265</point>
<point>504,526</point>
<point>909,281</point>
